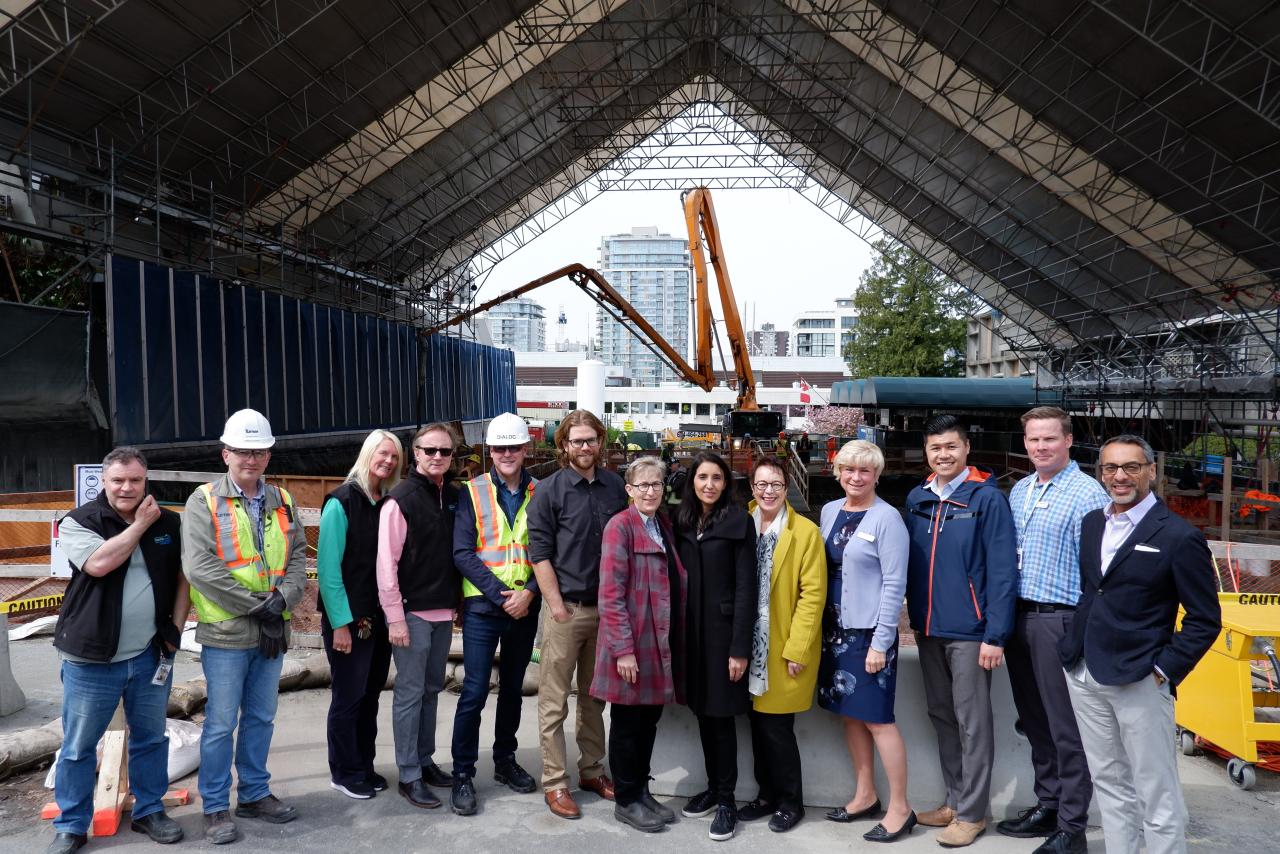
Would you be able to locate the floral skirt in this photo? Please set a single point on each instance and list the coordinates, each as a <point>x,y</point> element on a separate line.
<point>844,685</point>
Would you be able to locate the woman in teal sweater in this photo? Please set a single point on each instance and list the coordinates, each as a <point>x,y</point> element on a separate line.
<point>352,625</point>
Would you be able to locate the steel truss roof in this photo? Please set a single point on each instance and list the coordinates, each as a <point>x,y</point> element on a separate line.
<point>1106,173</point>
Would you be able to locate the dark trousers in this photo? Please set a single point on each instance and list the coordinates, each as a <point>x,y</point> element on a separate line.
<point>773,741</point>
<point>1044,707</point>
<point>632,730</point>
<point>720,752</point>
<point>958,693</point>
<point>358,678</point>
<point>482,634</point>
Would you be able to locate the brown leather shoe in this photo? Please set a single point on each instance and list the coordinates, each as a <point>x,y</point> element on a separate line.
<point>959,833</point>
<point>561,803</point>
<point>941,817</point>
<point>601,785</point>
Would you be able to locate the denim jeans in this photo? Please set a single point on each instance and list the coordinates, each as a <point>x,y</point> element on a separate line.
<point>481,634</point>
<point>90,694</point>
<point>240,682</point>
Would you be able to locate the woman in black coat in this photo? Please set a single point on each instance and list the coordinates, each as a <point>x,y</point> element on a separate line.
<point>716,541</point>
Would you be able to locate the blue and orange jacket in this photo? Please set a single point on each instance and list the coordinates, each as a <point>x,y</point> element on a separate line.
<point>962,574</point>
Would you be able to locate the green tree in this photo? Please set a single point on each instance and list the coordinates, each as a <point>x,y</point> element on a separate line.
<point>911,318</point>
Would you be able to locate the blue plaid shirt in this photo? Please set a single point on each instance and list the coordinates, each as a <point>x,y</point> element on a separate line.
<point>1048,517</point>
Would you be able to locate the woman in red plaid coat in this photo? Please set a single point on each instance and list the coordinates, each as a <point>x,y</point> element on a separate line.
<point>640,645</point>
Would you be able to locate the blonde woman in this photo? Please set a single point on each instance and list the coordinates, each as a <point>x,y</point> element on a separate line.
<point>352,625</point>
<point>867,549</point>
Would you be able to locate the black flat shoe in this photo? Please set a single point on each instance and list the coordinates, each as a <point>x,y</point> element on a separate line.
<point>839,814</point>
<point>879,834</point>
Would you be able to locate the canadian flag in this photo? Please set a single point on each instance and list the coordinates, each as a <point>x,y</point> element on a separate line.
<point>804,391</point>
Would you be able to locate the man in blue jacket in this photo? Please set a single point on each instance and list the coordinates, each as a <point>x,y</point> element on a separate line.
<point>962,587</point>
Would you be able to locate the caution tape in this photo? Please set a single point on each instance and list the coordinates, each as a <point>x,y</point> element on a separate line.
<point>37,603</point>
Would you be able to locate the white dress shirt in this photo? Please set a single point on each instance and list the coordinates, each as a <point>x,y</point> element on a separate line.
<point>1120,525</point>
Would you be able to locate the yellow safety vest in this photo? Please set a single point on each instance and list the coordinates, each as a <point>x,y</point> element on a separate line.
<point>503,549</point>
<point>233,535</point>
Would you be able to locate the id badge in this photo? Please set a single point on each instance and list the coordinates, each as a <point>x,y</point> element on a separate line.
<point>161,678</point>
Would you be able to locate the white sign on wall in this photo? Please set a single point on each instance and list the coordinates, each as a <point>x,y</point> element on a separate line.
<point>88,483</point>
<point>59,566</point>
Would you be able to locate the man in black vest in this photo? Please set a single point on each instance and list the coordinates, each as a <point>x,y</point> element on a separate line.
<point>119,625</point>
<point>419,592</point>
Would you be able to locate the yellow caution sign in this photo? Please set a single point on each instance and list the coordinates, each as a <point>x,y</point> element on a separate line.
<point>36,603</point>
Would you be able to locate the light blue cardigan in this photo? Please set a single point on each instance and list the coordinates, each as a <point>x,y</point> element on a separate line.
<point>874,571</point>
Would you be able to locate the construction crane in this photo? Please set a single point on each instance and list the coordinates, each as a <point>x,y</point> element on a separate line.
<point>746,418</point>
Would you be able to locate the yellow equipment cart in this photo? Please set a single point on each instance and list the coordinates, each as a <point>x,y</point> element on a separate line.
<point>1218,704</point>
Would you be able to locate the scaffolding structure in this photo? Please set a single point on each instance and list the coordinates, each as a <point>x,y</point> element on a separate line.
<point>1100,172</point>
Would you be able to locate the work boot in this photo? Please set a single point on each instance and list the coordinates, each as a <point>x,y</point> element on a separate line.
<point>219,828</point>
<point>959,833</point>
<point>158,826</point>
<point>65,843</point>
<point>463,798</point>
<point>639,816</point>
<point>512,775</point>
<point>664,812</point>
<point>270,809</point>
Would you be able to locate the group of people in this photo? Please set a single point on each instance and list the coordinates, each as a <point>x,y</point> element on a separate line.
<point>731,611</point>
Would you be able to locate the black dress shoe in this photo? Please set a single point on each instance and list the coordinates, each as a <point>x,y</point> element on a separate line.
<point>880,834</point>
<point>419,795</point>
<point>754,810</point>
<point>785,819</point>
<point>1036,821</point>
<point>158,826</point>
<point>65,843</point>
<point>433,775</point>
<point>512,775</point>
<point>1063,842</point>
<point>463,798</point>
<point>839,814</point>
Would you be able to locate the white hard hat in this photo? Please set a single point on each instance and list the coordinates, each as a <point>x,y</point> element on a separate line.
<point>507,429</point>
<point>247,429</point>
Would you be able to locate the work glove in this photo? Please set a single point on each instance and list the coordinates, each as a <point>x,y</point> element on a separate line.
<point>270,616</point>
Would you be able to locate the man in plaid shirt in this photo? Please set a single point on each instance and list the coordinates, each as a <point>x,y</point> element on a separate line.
<point>1048,507</point>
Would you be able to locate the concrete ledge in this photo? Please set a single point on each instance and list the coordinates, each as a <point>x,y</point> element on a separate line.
<point>828,770</point>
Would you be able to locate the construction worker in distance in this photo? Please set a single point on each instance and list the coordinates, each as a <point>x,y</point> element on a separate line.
<point>500,607</point>
<point>244,552</point>
<point>781,445</point>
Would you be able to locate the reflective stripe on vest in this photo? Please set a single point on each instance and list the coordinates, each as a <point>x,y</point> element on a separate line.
<point>503,550</point>
<point>234,543</point>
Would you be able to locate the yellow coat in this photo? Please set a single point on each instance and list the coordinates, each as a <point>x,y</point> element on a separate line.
<point>796,599</point>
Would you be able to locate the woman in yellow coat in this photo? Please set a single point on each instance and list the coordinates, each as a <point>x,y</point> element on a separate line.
<point>786,646</point>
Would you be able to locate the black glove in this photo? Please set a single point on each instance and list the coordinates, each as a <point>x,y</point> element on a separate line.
<point>270,616</point>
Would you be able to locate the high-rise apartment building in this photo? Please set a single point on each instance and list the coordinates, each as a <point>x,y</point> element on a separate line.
<point>652,271</point>
<point>519,324</point>
<point>768,340</point>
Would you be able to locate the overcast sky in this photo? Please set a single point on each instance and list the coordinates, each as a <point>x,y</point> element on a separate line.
<point>784,254</point>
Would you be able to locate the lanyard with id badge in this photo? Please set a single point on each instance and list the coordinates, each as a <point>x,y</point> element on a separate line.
<point>1029,507</point>
<point>161,677</point>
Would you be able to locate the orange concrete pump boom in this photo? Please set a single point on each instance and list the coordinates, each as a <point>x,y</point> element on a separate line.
<point>704,234</point>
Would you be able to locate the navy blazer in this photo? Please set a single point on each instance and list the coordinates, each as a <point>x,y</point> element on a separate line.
<point>1124,623</point>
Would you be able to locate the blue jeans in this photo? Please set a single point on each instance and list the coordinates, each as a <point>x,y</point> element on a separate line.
<point>90,694</point>
<point>245,683</point>
<point>481,634</point>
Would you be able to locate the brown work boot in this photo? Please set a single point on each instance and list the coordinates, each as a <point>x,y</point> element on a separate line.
<point>601,785</point>
<point>941,817</point>
<point>959,833</point>
<point>561,803</point>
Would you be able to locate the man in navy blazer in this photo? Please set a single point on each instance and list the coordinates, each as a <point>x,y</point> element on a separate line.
<point>1123,658</point>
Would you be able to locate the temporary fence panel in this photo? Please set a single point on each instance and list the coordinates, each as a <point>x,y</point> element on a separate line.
<point>186,350</point>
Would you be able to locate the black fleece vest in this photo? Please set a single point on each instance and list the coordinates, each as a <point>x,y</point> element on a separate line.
<point>428,579</point>
<point>89,621</point>
<point>359,558</point>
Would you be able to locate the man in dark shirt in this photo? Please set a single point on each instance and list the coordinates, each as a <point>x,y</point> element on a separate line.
<point>566,522</point>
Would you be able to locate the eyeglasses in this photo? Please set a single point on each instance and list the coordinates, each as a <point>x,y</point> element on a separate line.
<point>654,486</point>
<point>253,454</point>
<point>763,486</point>
<point>505,449</point>
<point>584,443</point>
<point>1110,469</point>
<point>428,451</point>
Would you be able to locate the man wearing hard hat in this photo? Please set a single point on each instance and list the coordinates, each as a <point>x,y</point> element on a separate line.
<point>500,606</point>
<point>244,552</point>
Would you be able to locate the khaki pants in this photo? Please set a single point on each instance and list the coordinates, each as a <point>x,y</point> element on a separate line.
<point>566,646</point>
